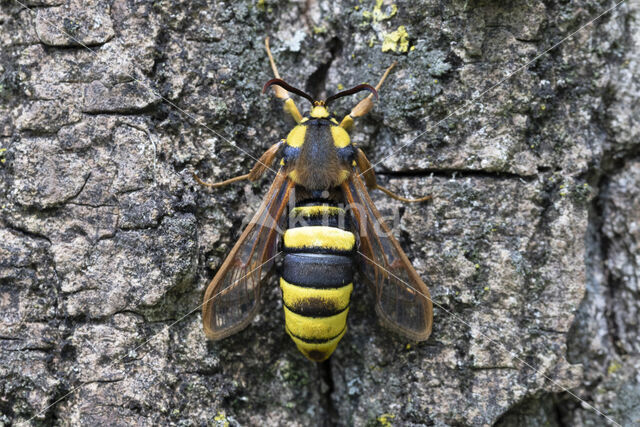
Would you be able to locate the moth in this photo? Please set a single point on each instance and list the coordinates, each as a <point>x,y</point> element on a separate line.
<point>319,213</point>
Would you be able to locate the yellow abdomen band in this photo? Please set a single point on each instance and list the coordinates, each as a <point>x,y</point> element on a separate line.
<point>317,351</point>
<point>315,328</point>
<point>318,210</point>
<point>318,236</point>
<point>329,300</point>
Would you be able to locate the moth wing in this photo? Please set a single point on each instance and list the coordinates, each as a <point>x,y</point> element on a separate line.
<point>403,301</point>
<point>232,298</point>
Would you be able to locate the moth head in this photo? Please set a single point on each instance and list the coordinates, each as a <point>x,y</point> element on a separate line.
<point>319,109</point>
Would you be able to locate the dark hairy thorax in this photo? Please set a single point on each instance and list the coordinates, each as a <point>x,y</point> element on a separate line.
<point>319,165</point>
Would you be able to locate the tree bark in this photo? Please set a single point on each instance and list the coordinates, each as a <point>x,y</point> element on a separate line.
<point>523,125</point>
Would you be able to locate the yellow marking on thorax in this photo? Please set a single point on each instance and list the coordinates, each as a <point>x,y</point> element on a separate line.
<point>319,112</point>
<point>315,328</point>
<point>293,175</point>
<point>319,236</point>
<point>324,350</point>
<point>340,137</point>
<point>344,175</point>
<point>296,136</point>
<point>318,210</point>
<point>334,298</point>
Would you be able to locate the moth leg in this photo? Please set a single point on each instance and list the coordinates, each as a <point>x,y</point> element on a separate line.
<point>364,106</point>
<point>289,106</point>
<point>220,183</point>
<point>370,179</point>
<point>263,163</point>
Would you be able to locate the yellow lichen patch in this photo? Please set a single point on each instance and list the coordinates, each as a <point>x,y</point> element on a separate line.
<point>396,41</point>
<point>315,328</point>
<point>335,298</point>
<point>319,236</point>
<point>614,367</point>
<point>319,112</point>
<point>385,419</point>
<point>319,30</point>
<point>340,137</point>
<point>221,420</point>
<point>378,15</point>
<point>296,136</point>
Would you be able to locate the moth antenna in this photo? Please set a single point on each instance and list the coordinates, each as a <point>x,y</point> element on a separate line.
<point>286,86</point>
<point>351,91</point>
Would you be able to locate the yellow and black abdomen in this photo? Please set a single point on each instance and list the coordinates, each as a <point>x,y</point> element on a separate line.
<point>317,280</point>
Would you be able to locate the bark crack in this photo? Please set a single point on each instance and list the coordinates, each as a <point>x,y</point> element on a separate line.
<point>458,173</point>
<point>316,81</point>
<point>331,413</point>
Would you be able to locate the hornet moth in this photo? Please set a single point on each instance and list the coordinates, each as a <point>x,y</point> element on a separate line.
<point>331,226</point>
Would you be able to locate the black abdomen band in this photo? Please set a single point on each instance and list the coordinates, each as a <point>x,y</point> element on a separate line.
<point>318,270</point>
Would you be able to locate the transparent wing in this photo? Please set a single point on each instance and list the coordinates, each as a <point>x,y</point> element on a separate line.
<point>403,302</point>
<point>232,298</point>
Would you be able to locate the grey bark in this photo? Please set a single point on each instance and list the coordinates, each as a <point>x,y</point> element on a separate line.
<point>530,245</point>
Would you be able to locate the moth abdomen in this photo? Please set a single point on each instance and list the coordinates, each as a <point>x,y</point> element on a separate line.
<point>317,281</point>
